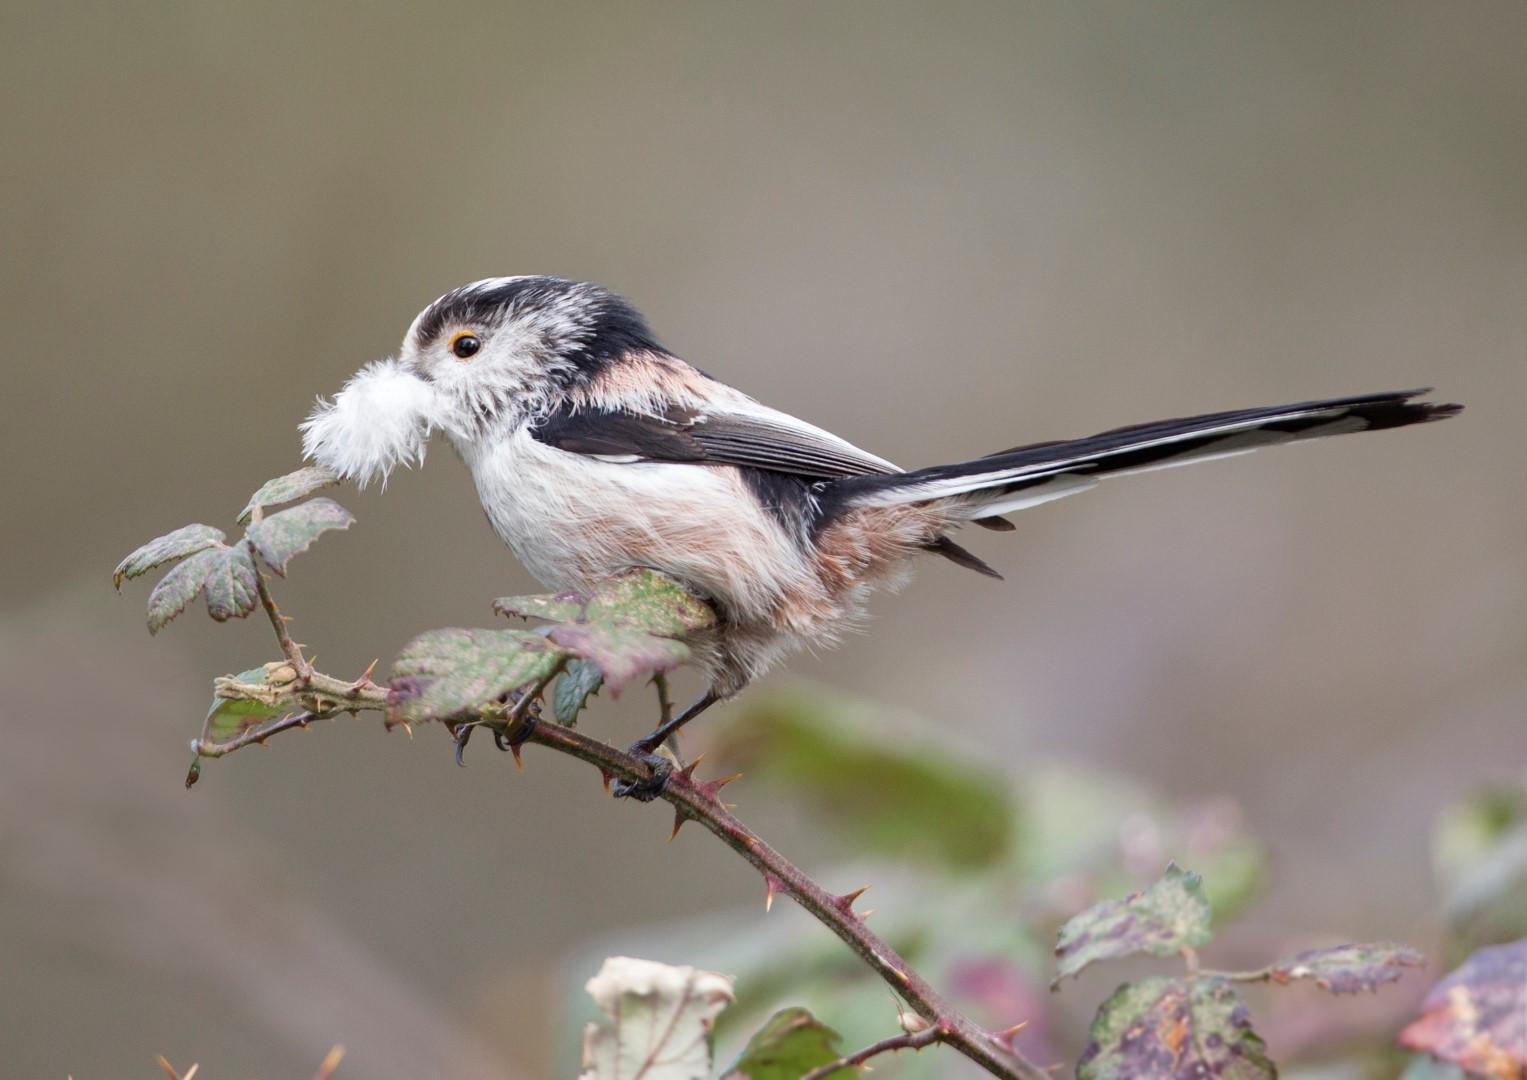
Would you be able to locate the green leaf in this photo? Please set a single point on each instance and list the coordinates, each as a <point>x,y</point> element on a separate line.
<point>629,627</point>
<point>1174,1027</point>
<point>179,587</point>
<point>904,798</point>
<point>281,536</point>
<point>789,1045</point>
<point>178,544</point>
<point>1479,852</point>
<point>230,583</point>
<point>1162,920</point>
<point>658,1021</point>
<point>1476,1018</point>
<point>575,686</point>
<point>444,672</point>
<point>288,488</point>
<point>1346,969</point>
<point>227,719</point>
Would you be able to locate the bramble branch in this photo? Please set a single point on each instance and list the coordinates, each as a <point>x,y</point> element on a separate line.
<point>313,695</point>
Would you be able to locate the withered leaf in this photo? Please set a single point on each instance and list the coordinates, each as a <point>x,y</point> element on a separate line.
<point>184,541</point>
<point>285,489</point>
<point>1346,969</point>
<point>281,536</point>
<point>1476,1017</point>
<point>1162,920</point>
<point>1166,1029</point>
<point>443,672</point>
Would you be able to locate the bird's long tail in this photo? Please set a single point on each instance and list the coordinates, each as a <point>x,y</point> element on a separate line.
<point>1028,475</point>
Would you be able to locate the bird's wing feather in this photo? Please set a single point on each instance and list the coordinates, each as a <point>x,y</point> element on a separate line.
<point>747,435</point>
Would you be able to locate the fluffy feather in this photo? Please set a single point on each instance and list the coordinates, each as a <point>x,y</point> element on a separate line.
<point>380,419</point>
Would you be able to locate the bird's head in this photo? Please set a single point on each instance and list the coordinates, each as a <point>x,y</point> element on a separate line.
<point>486,355</point>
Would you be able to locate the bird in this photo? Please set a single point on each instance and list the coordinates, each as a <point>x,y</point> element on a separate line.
<point>594,449</point>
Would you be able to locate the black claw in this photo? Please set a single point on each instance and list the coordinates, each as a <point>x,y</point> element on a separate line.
<point>650,788</point>
<point>501,740</point>
<point>462,734</point>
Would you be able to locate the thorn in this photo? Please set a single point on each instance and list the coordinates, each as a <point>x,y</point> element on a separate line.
<point>364,681</point>
<point>709,788</point>
<point>519,762</point>
<point>606,777</point>
<point>688,771</point>
<point>771,884</point>
<point>1006,1035</point>
<point>679,818</point>
<point>846,901</point>
<point>865,916</point>
<point>191,1072</point>
<point>331,1062</point>
<point>284,618</point>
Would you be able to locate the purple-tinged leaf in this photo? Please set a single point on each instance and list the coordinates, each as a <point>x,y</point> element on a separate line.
<point>791,1043</point>
<point>1476,1018</point>
<point>231,589</point>
<point>1162,920</point>
<point>1346,969</point>
<point>442,673</point>
<point>574,687</point>
<point>630,626</point>
<point>288,488</point>
<point>179,587</point>
<point>1170,1028</point>
<point>176,545</point>
<point>281,536</point>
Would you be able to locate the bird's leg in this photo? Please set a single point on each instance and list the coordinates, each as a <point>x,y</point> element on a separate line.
<point>644,749</point>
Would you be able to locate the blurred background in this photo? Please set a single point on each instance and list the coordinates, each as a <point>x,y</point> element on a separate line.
<point>936,229</point>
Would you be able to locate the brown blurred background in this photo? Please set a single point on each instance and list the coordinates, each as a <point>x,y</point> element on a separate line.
<point>937,229</point>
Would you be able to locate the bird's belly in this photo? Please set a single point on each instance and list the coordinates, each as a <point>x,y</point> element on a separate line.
<point>572,519</point>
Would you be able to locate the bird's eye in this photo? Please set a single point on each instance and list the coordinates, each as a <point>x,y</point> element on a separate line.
<point>465,344</point>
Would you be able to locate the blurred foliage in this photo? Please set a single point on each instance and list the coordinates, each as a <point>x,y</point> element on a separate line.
<point>1476,1018</point>
<point>658,1021</point>
<point>1163,920</point>
<point>1479,856</point>
<point>1174,1027</point>
<point>790,1044</point>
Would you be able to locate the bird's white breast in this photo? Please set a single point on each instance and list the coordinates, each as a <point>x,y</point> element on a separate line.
<point>572,519</point>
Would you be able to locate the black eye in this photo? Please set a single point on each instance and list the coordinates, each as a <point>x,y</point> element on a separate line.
<point>465,345</point>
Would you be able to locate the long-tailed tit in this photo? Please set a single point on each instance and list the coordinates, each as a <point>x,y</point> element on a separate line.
<point>594,449</point>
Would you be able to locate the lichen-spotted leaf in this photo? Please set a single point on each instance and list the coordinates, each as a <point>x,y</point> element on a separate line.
<point>631,625</point>
<point>444,672</point>
<point>1166,1029</point>
<point>285,489</point>
<point>281,536</point>
<point>1476,1018</point>
<point>176,545</point>
<point>575,686</point>
<point>789,1045</point>
<point>1346,969</point>
<point>1171,915</point>
<point>179,587</point>
<point>658,1021</point>
<point>231,589</point>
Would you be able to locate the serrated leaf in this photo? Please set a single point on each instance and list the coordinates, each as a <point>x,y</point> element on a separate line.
<point>630,626</point>
<point>1346,969</point>
<point>789,1045</point>
<point>179,587</point>
<point>443,672</point>
<point>658,1021</point>
<point>230,584</point>
<point>1162,920</point>
<point>905,798</point>
<point>1476,1018</point>
<point>580,681</point>
<point>227,718</point>
<point>1169,1028</point>
<point>291,532</point>
<point>285,489</point>
<point>184,541</point>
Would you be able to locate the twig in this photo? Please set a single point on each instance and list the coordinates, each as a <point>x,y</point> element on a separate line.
<point>290,648</point>
<point>693,800</point>
<point>915,1041</point>
<point>254,735</point>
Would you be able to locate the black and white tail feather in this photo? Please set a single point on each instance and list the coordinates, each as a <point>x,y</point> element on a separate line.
<point>1029,475</point>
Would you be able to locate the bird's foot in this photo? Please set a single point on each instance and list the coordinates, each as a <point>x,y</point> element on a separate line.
<point>645,790</point>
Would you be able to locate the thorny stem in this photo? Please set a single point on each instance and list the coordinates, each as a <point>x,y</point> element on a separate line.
<point>1259,975</point>
<point>905,1041</point>
<point>290,648</point>
<point>693,800</point>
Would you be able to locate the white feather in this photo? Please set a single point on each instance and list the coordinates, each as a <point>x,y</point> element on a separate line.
<point>380,419</point>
